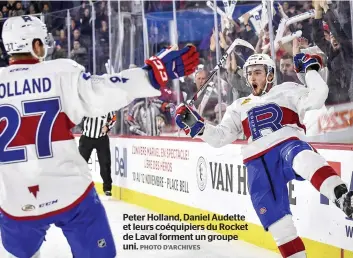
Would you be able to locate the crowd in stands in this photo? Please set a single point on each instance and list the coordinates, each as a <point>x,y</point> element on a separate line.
<point>327,33</point>
<point>329,30</point>
<point>54,14</point>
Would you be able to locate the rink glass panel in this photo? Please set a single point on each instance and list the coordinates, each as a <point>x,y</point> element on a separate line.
<point>138,31</point>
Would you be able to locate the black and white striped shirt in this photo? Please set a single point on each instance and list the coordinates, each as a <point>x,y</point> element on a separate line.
<point>92,126</point>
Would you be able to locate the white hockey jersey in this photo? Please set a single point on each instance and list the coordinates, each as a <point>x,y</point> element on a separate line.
<point>41,170</point>
<point>270,119</point>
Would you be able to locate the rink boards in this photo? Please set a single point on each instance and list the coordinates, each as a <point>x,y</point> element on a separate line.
<point>179,176</point>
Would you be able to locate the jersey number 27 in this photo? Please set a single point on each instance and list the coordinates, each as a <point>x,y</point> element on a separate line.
<point>47,109</point>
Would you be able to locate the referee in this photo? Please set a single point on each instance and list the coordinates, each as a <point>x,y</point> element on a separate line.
<point>94,136</point>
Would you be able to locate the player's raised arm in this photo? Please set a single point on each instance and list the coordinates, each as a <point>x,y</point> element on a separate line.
<point>98,95</point>
<point>217,136</point>
<point>307,66</point>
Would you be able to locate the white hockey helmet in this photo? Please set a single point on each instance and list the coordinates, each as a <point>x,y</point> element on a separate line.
<point>19,32</point>
<point>261,59</point>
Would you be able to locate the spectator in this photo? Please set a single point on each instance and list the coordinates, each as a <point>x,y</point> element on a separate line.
<point>101,14</point>
<point>236,87</point>
<point>339,56</point>
<point>84,41</point>
<point>219,110</point>
<point>81,10</point>
<point>74,25</point>
<point>32,10</point>
<point>85,21</point>
<point>62,39</point>
<point>59,51</point>
<point>326,31</point>
<point>103,33</point>
<point>287,73</point>
<point>11,6</point>
<point>18,11</point>
<point>5,11</point>
<point>48,18</point>
<point>79,54</point>
<point>208,99</point>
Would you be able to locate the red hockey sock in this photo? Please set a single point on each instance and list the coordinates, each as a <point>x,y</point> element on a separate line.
<point>293,247</point>
<point>321,175</point>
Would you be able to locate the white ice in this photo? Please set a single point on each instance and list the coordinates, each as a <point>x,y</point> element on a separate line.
<point>56,245</point>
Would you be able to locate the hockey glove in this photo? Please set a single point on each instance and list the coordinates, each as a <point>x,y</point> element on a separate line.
<point>304,61</point>
<point>189,120</point>
<point>165,107</point>
<point>171,64</point>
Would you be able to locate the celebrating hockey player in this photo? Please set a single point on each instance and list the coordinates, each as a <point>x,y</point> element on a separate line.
<point>271,119</point>
<point>43,178</point>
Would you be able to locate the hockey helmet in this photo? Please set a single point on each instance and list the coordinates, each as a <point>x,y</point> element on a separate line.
<point>261,59</point>
<point>19,32</point>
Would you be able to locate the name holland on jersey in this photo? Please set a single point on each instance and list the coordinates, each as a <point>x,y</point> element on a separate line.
<point>27,86</point>
<point>201,217</point>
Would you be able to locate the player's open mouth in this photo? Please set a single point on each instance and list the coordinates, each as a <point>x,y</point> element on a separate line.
<point>254,86</point>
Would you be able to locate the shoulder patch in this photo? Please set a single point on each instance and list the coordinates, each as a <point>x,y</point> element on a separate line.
<point>246,101</point>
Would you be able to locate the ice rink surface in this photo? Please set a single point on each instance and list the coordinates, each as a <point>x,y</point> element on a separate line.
<point>56,245</point>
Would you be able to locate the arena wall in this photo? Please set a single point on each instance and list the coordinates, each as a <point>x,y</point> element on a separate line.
<point>171,175</point>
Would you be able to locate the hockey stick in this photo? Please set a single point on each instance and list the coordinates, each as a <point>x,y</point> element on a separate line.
<point>216,8</point>
<point>226,5</point>
<point>225,21</point>
<point>137,131</point>
<point>232,7</point>
<point>252,12</point>
<point>220,64</point>
<point>284,40</point>
<point>300,17</point>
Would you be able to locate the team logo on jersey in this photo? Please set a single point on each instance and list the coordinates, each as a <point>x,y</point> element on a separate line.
<point>34,190</point>
<point>28,207</point>
<point>263,210</point>
<point>101,243</point>
<point>201,173</point>
<point>245,101</point>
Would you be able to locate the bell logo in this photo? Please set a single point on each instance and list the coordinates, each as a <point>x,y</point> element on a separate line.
<point>121,162</point>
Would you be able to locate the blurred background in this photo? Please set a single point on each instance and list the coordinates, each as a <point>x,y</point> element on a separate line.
<point>128,32</point>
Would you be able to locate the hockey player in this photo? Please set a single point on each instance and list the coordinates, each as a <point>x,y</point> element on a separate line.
<point>271,119</point>
<point>44,179</point>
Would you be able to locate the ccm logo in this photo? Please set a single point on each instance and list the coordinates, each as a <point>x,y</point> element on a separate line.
<point>48,203</point>
<point>160,67</point>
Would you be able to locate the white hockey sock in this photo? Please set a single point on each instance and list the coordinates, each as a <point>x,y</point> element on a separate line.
<point>285,234</point>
